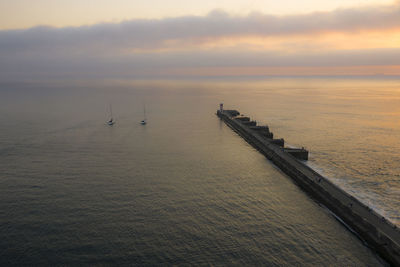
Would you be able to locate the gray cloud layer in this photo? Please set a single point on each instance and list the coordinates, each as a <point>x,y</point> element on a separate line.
<point>88,47</point>
<point>152,33</point>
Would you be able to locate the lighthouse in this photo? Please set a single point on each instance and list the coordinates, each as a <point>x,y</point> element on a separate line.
<point>221,107</point>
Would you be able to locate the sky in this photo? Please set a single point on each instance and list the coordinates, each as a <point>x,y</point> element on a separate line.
<point>16,14</point>
<point>163,38</point>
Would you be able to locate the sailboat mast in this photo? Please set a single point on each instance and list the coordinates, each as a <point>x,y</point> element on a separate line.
<point>111,111</point>
<point>143,122</point>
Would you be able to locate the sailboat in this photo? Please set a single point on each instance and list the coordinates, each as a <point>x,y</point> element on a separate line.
<point>144,121</point>
<point>111,121</point>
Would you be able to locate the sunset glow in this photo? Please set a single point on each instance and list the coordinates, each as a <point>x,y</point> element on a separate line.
<point>293,43</point>
<point>292,71</point>
<point>358,39</point>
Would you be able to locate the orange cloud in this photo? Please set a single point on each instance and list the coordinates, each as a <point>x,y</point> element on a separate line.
<point>291,43</point>
<point>300,71</point>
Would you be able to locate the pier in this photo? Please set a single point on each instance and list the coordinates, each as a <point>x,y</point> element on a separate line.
<point>377,232</point>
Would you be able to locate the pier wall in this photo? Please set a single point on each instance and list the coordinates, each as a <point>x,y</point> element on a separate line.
<point>374,229</point>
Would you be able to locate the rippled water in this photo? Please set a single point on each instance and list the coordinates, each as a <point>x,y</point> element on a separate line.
<point>185,189</point>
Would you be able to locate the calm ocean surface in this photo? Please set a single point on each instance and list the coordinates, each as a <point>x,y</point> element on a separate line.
<point>185,189</point>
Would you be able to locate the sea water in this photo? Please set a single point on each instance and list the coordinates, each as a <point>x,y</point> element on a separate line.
<point>185,189</point>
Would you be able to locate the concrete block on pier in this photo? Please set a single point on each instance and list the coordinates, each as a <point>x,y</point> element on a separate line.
<point>299,153</point>
<point>241,118</point>
<point>280,142</point>
<point>269,135</point>
<point>260,128</point>
<point>263,130</point>
<point>250,123</point>
<point>232,112</point>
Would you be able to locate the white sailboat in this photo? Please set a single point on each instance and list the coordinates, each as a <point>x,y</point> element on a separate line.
<point>144,121</point>
<point>111,122</point>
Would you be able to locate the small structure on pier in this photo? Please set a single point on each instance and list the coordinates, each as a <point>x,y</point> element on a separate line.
<point>299,153</point>
<point>231,113</point>
<point>241,118</point>
<point>263,130</point>
<point>279,142</point>
<point>249,123</point>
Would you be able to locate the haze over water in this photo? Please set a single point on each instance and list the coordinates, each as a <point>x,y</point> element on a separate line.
<point>185,189</point>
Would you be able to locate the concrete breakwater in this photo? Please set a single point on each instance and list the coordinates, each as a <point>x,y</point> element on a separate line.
<point>374,229</point>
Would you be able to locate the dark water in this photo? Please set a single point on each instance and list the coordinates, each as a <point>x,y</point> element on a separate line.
<point>185,189</point>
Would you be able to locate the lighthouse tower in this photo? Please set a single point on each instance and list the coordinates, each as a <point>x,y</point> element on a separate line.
<point>221,107</point>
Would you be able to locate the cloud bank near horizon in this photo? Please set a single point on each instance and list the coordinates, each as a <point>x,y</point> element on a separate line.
<point>344,37</point>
